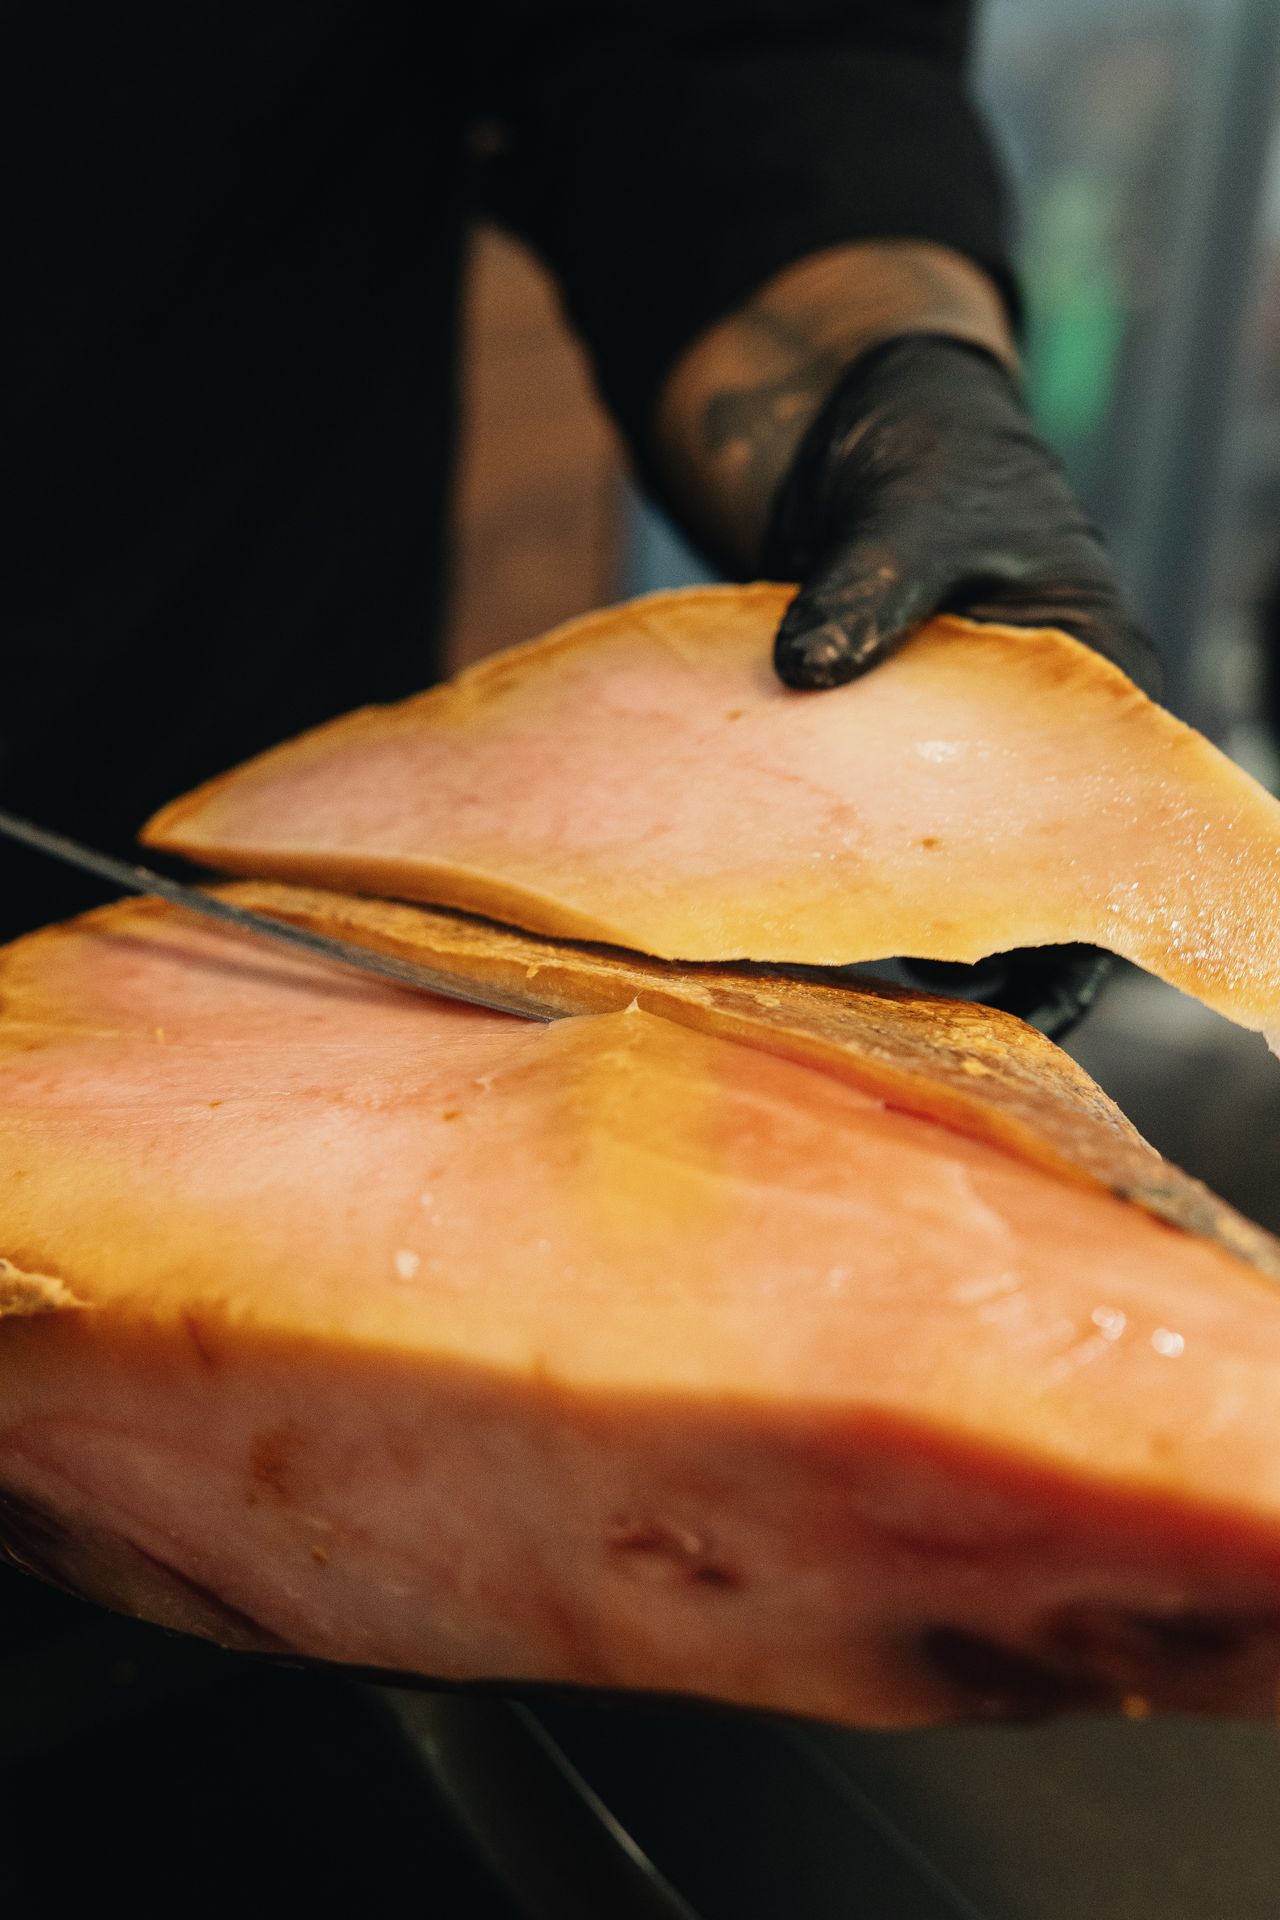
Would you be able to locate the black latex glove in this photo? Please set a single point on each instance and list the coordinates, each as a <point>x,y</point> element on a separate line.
<point>922,487</point>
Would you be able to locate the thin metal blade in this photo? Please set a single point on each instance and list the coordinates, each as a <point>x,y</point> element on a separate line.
<point>346,953</point>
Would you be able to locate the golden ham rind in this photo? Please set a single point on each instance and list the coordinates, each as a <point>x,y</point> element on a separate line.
<point>615,1351</point>
<point>640,777</point>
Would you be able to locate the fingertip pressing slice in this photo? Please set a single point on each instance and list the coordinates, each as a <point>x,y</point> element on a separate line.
<point>640,777</point>
<point>619,1350</point>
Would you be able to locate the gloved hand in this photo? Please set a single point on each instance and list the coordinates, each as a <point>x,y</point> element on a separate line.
<point>920,488</point>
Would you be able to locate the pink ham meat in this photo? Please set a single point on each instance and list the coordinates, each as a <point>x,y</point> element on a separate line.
<point>640,777</point>
<point>619,1351</point>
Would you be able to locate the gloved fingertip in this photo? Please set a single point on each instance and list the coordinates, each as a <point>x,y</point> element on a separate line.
<point>812,659</point>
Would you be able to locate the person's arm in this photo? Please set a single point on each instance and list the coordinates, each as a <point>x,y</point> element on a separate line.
<point>857,425</point>
<point>733,411</point>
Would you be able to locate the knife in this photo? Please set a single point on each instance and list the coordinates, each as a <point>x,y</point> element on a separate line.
<point>346,953</point>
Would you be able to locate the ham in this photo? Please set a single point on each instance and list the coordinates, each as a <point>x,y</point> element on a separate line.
<point>805,1347</point>
<point>639,777</point>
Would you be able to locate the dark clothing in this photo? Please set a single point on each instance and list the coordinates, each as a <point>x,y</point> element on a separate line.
<point>231,236</point>
<point>666,170</point>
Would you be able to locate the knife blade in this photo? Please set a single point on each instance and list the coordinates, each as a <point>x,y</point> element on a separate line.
<point>319,946</point>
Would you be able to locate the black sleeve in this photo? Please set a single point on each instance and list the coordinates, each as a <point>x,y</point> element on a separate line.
<point>666,161</point>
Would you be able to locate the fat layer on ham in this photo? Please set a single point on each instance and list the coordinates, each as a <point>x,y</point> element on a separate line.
<point>640,777</point>
<point>686,1344</point>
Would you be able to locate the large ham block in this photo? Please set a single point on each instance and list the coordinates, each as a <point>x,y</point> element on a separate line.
<point>792,1345</point>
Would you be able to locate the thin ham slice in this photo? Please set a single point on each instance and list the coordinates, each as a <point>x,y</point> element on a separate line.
<point>691,1343</point>
<point>640,777</point>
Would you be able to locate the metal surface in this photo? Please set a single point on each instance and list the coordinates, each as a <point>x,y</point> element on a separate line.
<point>318,946</point>
<point>679,1809</point>
<point>547,1835</point>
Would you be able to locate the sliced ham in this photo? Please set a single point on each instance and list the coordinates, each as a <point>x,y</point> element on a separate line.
<point>691,1343</point>
<point>640,777</point>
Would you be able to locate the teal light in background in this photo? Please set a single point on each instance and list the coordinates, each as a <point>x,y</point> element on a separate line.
<point>1076,317</point>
